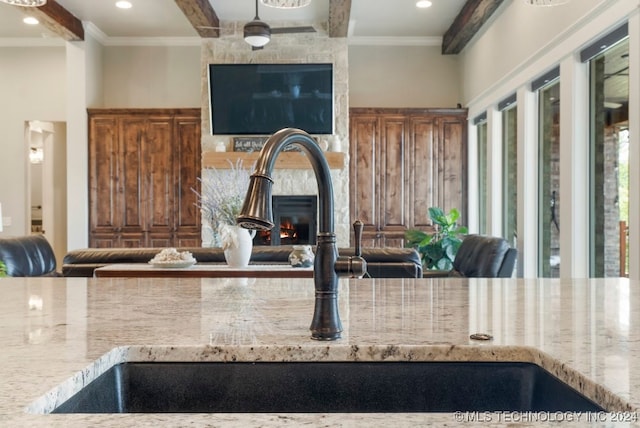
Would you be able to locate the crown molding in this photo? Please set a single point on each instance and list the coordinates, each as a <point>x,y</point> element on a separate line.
<point>395,41</point>
<point>105,40</point>
<point>153,41</point>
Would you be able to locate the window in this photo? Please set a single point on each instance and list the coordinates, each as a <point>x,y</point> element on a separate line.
<point>483,191</point>
<point>549,178</point>
<point>609,154</point>
<point>509,170</point>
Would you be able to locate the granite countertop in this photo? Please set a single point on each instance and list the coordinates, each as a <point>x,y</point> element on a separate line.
<point>58,333</point>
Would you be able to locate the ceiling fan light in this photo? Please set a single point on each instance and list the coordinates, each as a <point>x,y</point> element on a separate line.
<point>257,33</point>
<point>286,4</point>
<point>423,4</point>
<point>25,3</point>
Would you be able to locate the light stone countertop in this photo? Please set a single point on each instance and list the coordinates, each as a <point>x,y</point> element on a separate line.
<point>59,333</point>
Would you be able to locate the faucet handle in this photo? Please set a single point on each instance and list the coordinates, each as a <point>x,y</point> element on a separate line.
<point>354,266</point>
<point>357,231</point>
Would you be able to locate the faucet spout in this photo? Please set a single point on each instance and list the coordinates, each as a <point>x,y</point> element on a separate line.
<point>257,213</point>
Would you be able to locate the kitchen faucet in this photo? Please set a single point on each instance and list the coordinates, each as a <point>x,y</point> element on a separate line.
<point>257,213</point>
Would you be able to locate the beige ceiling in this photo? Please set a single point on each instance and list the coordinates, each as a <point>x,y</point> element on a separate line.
<point>163,18</point>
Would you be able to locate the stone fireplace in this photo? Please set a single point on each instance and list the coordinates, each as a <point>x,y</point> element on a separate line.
<point>297,48</point>
<point>295,219</point>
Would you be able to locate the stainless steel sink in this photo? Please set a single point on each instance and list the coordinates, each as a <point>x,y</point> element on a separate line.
<point>286,387</point>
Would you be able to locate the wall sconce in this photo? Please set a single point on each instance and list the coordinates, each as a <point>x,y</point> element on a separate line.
<point>36,155</point>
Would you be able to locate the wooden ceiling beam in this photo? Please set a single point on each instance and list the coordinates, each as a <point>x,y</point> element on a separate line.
<point>58,20</point>
<point>339,15</point>
<point>202,17</point>
<point>471,18</point>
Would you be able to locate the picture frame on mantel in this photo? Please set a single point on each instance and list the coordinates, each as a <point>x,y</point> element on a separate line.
<point>248,144</point>
<point>254,144</point>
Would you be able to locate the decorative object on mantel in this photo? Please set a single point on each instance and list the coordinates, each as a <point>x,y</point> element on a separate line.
<point>248,144</point>
<point>336,144</point>
<point>301,256</point>
<point>25,3</point>
<point>289,160</point>
<point>221,147</point>
<point>255,144</point>
<point>220,200</point>
<point>286,4</point>
<point>545,2</point>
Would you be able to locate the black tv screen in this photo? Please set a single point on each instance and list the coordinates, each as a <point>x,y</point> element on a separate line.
<point>264,98</point>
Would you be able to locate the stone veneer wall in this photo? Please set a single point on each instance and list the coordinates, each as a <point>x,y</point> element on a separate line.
<point>611,208</point>
<point>283,48</point>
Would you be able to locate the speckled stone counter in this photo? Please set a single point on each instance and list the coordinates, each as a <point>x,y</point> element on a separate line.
<point>58,334</point>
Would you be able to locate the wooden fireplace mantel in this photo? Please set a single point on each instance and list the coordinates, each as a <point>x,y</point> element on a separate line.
<point>286,160</point>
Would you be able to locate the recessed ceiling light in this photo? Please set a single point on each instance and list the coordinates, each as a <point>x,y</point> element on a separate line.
<point>124,5</point>
<point>423,4</point>
<point>30,20</point>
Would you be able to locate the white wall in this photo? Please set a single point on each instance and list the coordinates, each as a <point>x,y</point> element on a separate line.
<point>403,76</point>
<point>517,36</point>
<point>153,76</point>
<point>32,87</point>
<point>60,190</point>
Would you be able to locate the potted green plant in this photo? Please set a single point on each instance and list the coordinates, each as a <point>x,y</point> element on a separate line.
<point>3,269</point>
<point>438,249</point>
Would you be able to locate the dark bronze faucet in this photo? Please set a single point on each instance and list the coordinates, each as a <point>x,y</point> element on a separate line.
<point>257,213</point>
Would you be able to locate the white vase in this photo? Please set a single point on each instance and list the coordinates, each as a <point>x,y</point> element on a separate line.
<point>237,251</point>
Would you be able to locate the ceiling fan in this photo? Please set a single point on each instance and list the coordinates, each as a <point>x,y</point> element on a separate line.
<point>258,33</point>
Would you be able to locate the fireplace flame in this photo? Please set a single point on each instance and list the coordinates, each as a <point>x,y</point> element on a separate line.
<point>288,231</point>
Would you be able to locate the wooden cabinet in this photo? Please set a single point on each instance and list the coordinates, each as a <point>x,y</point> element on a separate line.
<point>142,167</point>
<point>403,161</point>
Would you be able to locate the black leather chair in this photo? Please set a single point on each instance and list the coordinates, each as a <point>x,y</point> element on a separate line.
<point>480,256</point>
<point>28,256</point>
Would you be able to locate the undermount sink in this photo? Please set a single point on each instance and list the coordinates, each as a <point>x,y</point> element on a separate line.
<point>308,387</point>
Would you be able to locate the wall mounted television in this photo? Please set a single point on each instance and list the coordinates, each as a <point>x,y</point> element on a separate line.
<point>264,98</point>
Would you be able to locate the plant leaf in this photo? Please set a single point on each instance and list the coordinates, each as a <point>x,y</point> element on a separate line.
<point>437,216</point>
<point>453,216</point>
<point>444,264</point>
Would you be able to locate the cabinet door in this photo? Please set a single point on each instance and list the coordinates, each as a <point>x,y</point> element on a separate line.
<point>451,153</point>
<point>378,178</point>
<point>105,191</point>
<point>142,167</point>
<point>423,172</point>
<point>393,178</point>
<point>363,173</point>
<point>131,132</point>
<point>157,193</point>
<point>404,161</point>
<point>186,170</point>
